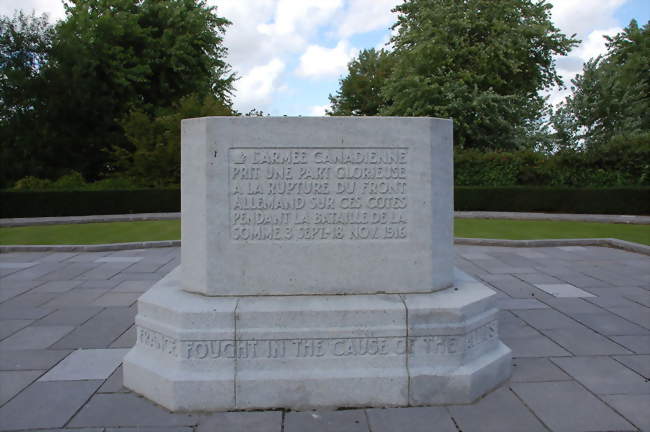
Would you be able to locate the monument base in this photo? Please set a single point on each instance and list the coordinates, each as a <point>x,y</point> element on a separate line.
<point>198,353</point>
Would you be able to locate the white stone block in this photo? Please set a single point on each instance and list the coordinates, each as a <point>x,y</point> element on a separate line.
<point>218,353</point>
<point>316,272</point>
<point>306,205</point>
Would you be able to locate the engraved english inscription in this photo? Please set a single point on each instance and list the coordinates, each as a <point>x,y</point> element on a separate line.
<point>318,194</point>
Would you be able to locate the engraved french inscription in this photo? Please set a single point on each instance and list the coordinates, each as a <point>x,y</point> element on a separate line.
<point>319,347</point>
<point>306,194</point>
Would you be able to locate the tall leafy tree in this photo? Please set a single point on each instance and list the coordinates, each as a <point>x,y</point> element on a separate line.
<point>611,96</point>
<point>25,43</point>
<point>481,62</point>
<point>359,92</point>
<point>110,57</point>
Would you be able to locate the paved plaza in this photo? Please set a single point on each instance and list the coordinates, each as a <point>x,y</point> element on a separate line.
<point>577,319</point>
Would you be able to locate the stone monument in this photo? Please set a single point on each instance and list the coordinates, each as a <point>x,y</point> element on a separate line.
<point>316,271</point>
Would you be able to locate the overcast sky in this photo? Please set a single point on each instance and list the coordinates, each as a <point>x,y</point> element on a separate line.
<point>289,54</point>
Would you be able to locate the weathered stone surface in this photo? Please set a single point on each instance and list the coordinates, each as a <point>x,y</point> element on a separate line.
<point>316,271</point>
<point>219,353</point>
<point>307,205</point>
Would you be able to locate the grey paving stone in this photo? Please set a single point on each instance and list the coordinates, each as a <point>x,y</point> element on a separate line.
<point>34,337</point>
<point>326,421</point>
<point>58,256</point>
<point>126,410</point>
<point>637,344</point>
<point>527,253</point>
<point>12,382</point>
<point>611,325</point>
<point>134,286</point>
<point>57,286</point>
<point>91,364</point>
<point>76,297</point>
<point>517,304</point>
<point>572,306</point>
<point>269,421</point>
<point>510,326</point>
<point>46,404</point>
<point>105,271</point>
<point>9,327</point>
<point>34,272</point>
<point>147,266</point>
<point>29,299</point>
<point>70,316</point>
<point>87,256</point>
<point>563,290</point>
<point>566,406</point>
<point>638,363</point>
<point>10,289</point>
<point>582,341</point>
<point>420,419</point>
<point>114,383</point>
<point>30,359</point>
<point>126,340</point>
<point>603,375</point>
<point>619,292</point>
<point>515,288</point>
<point>148,429</point>
<point>582,281</point>
<point>633,407</point>
<point>641,298</point>
<point>606,297</point>
<point>69,271</point>
<point>637,314</point>
<point>534,346</point>
<point>117,299</point>
<point>118,259</point>
<point>538,278</point>
<point>124,276</point>
<point>99,331</point>
<point>487,414</point>
<point>99,283</point>
<point>16,265</point>
<point>545,319</point>
<point>72,430</point>
<point>536,370</point>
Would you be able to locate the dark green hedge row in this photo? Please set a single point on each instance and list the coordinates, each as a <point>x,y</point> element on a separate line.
<point>82,203</point>
<point>517,199</point>
<point>625,161</point>
<point>629,200</point>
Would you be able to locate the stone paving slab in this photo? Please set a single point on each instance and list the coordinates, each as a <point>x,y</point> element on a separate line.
<point>580,364</point>
<point>92,364</point>
<point>46,404</point>
<point>487,415</point>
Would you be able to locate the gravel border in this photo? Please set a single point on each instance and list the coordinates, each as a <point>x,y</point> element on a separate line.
<point>623,219</point>
<point>607,242</point>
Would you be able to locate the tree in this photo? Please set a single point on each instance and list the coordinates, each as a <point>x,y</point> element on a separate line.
<point>155,158</point>
<point>611,96</point>
<point>111,57</point>
<point>25,43</point>
<point>481,62</point>
<point>360,91</point>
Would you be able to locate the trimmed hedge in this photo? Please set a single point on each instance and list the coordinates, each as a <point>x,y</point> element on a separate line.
<point>85,202</point>
<point>630,200</point>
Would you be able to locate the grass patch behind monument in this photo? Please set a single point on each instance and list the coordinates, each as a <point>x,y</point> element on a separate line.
<point>121,232</point>
<point>534,230</point>
<point>92,233</point>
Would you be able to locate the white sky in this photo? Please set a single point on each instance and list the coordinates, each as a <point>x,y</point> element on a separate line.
<point>289,54</point>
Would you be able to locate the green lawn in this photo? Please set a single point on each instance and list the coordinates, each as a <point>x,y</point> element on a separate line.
<point>118,232</point>
<point>530,230</point>
<point>92,233</point>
